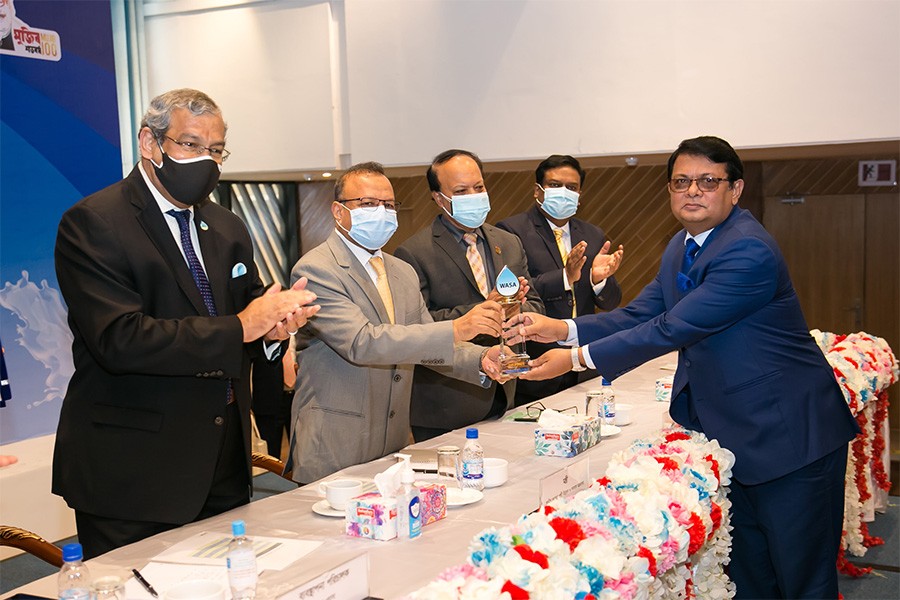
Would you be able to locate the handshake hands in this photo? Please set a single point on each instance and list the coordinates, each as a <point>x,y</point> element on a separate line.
<point>530,327</point>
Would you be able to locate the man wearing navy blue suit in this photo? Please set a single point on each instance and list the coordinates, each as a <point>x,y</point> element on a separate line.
<point>569,260</point>
<point>749,375</point>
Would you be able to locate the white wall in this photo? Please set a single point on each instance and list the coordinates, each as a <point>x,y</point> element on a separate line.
<point>509,79</point>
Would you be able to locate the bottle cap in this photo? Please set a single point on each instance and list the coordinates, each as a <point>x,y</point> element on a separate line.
<point>605,381</point>
<point>72,552</point>
<point>238,528</point>
<point>472,433</point>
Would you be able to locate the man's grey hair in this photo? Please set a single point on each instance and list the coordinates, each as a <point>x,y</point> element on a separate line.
<point>158,117</point>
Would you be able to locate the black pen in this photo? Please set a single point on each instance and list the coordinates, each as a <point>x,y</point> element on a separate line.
<point>146,584</point>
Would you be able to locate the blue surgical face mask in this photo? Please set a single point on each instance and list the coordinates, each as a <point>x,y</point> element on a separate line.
<point>559,202</point>
<point>371,228</point>
<point>469,210</point>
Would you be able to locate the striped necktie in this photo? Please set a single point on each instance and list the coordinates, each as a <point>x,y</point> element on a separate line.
<point>558,234</point>
<point>475,262</point>
<point>381,282</point>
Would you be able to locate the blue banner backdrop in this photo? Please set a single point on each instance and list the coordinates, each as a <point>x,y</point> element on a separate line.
<point>59,141</point>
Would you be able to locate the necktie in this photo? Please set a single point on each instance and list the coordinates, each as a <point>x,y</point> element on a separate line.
<point>691,248</point>
<point>381,282</point>
<point>558,234</point>
<point>474,258</point>
<point>183,217</point>
<point>184,226</point>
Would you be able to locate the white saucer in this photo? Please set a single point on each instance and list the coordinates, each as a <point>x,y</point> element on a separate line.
<point>608,430</point>
<point>458,497</point>
<point>326,510</point>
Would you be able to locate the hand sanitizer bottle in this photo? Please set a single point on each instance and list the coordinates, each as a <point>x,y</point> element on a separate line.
<point>409,513</point>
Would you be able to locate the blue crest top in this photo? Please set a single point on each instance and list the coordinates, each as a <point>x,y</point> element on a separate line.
<point>507,283</point>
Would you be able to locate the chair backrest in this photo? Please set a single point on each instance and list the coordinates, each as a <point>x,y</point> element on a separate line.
<point>31,543</point>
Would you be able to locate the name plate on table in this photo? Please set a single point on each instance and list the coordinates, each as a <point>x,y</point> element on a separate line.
<point>348,581</point>
<point>565,482</point>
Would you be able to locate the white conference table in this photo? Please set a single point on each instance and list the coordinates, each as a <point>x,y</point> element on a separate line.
<point>398,567</point>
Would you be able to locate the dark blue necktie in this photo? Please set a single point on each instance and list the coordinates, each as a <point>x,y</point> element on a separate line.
<point>691,248</point>
<point>184,217</point>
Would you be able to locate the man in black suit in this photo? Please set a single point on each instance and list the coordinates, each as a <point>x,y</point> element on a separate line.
<point>443,257</point>
<point>568,261</point>
<point>167,310</point>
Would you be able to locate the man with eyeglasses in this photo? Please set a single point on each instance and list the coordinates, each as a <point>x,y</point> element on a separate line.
<point>569,261</point>
<point>167,310</point>
<point>457,260</point>
<point>357,356</point>
<point>749,375</point>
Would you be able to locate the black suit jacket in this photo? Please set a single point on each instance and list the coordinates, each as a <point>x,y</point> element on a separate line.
<point>141,423</point>
<point>545,269</point>
<point>450,291</point>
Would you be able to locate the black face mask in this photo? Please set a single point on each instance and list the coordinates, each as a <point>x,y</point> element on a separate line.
<point>190,180</point>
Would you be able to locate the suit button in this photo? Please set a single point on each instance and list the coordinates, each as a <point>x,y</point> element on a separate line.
<point>391,414</point>
<point>219,420</point>
<point>687,363</point>
<point>398,377</point>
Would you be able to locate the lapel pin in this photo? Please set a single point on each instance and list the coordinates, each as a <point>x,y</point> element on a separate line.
<point>497,249</point>
<point>203,225</point>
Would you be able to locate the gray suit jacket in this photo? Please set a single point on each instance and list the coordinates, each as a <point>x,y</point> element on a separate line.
<point>450,291</point>
<point>355,378</point>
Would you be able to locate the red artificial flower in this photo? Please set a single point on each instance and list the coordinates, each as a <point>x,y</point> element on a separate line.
<point>548,510</point>
<point>604,481</point>
<point>515,591</point>
<point>715,513</point>
<point>697,533</point>
<point>646,553</point>
<point>714,465</point>
<point>667,463</point>
<point>538,558</point>
<point>678,435</point>
<point>568,531</point>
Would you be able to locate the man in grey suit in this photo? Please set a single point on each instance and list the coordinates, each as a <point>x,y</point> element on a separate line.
<point>356,363</point>
<point>458,259</point>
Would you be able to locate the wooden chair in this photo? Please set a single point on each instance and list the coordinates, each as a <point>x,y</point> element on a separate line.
<point>271,464</point>
<point>31,543</point>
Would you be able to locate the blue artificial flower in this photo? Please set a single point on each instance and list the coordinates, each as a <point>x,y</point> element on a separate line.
<point>594,579</point>
<point>492,548</point>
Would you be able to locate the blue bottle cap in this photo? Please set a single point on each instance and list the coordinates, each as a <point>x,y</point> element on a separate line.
<point>72,552</point>
<point>472,433</point>
<point>605,381</point>
<point>238,528</point>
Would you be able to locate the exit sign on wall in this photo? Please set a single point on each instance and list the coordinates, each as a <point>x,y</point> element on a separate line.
<point>877,172</point>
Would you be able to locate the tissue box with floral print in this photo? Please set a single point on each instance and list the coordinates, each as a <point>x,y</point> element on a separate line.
<point>371,516</point>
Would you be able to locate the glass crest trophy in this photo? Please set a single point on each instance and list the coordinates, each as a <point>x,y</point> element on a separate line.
<point>513,359</point>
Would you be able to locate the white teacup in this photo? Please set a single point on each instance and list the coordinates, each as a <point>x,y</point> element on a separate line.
<point>623,414</point>
<point>338,492</point>
<point>196,589</point>
<point>496,471</point>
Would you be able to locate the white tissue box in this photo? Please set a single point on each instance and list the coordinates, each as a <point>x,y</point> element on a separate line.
<point>567,441</point>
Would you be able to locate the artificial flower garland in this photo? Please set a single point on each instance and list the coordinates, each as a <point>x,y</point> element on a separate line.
<point>864,366</point>
<point>655,526</point>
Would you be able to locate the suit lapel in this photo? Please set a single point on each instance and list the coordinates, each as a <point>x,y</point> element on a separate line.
<point>217,272</point>
<point>542,228</point>
<point>154,224</point>
<point>447,242</point>
<point>495,251</point>
<point>358,273</point>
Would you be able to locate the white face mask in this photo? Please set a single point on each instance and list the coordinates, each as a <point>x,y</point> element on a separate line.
<point>469,210</point>
<point>371,228</point>
<point>559,202</point>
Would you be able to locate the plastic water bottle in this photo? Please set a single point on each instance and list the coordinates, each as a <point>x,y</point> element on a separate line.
<point>472,462</point>
<point>607,410</point>
<point>241,563</point>
<point>74,579</point>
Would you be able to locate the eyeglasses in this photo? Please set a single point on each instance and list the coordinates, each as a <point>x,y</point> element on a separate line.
<point>706,184</point>
<point>218,154</point>
<point>373,203</point>
<point>535,409</point>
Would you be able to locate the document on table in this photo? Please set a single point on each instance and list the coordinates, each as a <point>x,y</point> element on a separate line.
<point>163,576</point>
<point>210,548</point>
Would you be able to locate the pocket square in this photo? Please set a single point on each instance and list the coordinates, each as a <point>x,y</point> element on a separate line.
<point>684,283</point>
<point>238,269</point>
